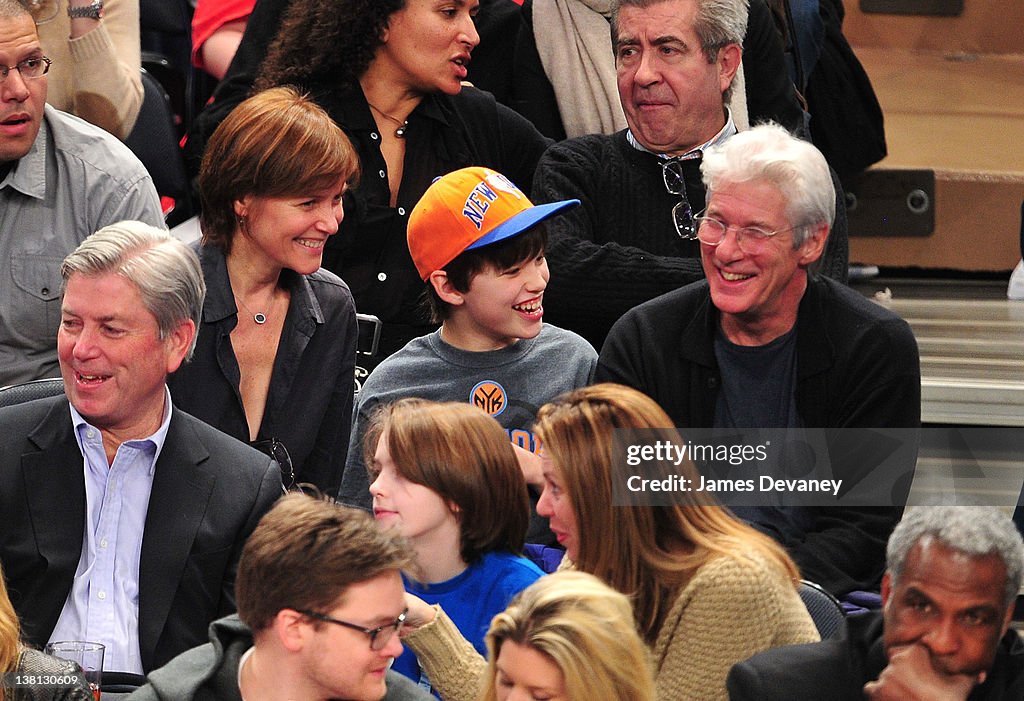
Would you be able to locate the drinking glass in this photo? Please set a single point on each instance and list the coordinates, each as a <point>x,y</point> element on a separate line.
<point>89,657</point>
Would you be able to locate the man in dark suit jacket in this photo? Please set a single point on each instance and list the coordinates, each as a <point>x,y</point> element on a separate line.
<point>119,507</point>
<point>944,634</point>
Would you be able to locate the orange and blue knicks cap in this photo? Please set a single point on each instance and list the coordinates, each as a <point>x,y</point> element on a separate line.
<point>466,209</point>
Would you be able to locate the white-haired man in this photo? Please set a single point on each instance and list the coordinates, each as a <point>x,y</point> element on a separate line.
<point>763,343</point>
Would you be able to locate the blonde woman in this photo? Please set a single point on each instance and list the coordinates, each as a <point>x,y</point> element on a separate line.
<point>19,665</point>
<point>567,636</point>
<point>707,590</point>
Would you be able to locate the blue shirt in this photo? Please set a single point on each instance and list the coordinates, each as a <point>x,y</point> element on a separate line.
<point>471,599</point>
<point>103,604</point>
<point>724,133</point>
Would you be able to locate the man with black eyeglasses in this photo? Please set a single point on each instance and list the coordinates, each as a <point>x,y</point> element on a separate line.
<point>764,344</point>
<point>630,241</point>
<point>61,179</point>
<point>320,608</point>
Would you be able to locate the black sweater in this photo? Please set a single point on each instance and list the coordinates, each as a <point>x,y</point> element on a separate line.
<point>620,248</point>
<point>857,367</point>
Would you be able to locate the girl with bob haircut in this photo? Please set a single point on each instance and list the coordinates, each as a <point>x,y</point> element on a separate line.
<point>568,636</point>
<point>446,478</point>
<point>275,357</point>
<point>17,659</point>
<point>707,590</point>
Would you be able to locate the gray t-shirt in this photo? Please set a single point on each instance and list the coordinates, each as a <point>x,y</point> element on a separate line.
<point>758,383</point>
<point>759,391</point>
<point>510,384</point>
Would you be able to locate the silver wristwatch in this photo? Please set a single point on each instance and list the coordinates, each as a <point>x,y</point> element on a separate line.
<point>93,11</point>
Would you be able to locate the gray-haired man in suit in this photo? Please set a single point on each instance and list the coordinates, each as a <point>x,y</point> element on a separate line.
<point>123,517</point>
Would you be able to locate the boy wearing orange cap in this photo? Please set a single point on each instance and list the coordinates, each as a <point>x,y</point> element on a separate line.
<point>478,243</point>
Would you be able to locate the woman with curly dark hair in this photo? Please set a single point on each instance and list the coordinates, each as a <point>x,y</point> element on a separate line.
<point>327,38</point>
<point>390,73</point>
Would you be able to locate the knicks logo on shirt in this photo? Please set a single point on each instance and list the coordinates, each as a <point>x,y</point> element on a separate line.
<point>489,396</point>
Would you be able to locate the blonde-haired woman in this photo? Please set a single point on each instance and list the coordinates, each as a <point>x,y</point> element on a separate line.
<point>567,636</point>
<point>20,664</point>
<point>707,590</point>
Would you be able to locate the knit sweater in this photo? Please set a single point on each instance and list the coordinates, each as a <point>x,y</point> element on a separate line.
<point>620,248</point>
<point>733,607</point>
<point>96,76</point>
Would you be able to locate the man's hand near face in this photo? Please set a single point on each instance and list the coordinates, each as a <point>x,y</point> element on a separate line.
<point>911,676</point>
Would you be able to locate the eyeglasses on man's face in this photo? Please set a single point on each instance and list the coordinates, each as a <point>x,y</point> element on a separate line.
<point>379,637</point>
<point>30,68</point>
<point>682,213</point>
<point>752,240</point>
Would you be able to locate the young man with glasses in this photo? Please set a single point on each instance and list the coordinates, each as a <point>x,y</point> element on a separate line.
<point>61,179</point>
<point>320,608</point>
<point>630,241</point>
<point>761,343</point>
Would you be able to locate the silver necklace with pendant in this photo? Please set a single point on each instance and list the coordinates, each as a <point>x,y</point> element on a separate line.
<point>403,124</point>
<point>259,317</point>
